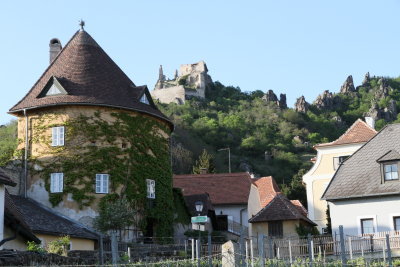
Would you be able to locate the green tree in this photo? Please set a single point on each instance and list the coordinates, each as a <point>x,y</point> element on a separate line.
<point>205,161</point>
<point>114,215</point>
<point>8,141</point>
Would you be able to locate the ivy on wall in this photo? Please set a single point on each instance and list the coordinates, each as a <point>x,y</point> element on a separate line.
<point>130,149</point>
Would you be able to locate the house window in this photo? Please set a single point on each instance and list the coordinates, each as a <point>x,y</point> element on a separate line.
<point>391,172</point>
<point>275,228</point>
<point>396,223</point>
<point>144,99</point>
<point>151,188</point>
<point>338,160</point>
<point>56,182</point>
<point>102,183</point>
<point>58,136</point>
<point>367,226</point>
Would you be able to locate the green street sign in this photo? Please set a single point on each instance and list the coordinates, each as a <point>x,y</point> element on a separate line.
<point>199,219</point>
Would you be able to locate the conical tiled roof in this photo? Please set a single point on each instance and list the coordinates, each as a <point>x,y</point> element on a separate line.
<point>90,77</point>
<point>359,132</point>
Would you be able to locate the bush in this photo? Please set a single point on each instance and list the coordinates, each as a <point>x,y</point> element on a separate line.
<point>35,247</point>
<point>59,246</point>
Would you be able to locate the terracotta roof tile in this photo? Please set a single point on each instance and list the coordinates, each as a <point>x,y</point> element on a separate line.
<point>90,77</point>
<point>359,132</point>
<point>267,189</point>
<point>223,188</point>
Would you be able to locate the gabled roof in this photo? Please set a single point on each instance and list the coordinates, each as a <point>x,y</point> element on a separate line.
<point>223,188</point>
<point>390,155</point>
<point>280,209</point>
<point>360,175</point>
<point>267,189</point>
<point>15,220</point>
<point>359,132</point>
<point>43,220</point>
<point>5,179</point>
<point>90,77</point>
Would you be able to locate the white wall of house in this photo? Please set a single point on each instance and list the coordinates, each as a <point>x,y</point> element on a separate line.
<point>350,212</point>
<point>234,211</point>
<point>319,176</point>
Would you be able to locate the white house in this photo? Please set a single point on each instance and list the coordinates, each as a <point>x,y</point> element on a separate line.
<point>364,194</point>
<point>329,157</point>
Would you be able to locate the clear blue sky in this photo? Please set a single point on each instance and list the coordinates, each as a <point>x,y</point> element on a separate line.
<point>293,47</point>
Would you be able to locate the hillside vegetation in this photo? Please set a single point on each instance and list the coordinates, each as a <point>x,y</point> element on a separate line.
<point>266,139</point>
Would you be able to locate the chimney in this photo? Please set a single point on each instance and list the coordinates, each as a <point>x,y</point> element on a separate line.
<point>55,48</point>
<point>370,121</point>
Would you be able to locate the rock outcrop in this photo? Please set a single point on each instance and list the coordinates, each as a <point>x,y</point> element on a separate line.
<point>366,79</point>
<point>348,86</point>
<point>270,97</point>
<point>383,90</point>
<point>301,105</point>
<point>324,100</point>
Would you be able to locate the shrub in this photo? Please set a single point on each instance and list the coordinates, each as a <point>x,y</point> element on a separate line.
<point>35,247</point>
<point>59,246</point>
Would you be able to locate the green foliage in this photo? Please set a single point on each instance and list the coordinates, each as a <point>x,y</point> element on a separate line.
<point>296,188</point>
<point>206,162</point>
<point>130,149</point>
<point>303,230</point>
<point>329,221</point>
<point>114,215</point>
<point>182,214</point>
<point>59,246</point>
<point>32,246</point>
<point>8,142</point>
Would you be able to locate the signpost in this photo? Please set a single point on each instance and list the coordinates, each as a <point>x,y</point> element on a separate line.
<point>199,219</point>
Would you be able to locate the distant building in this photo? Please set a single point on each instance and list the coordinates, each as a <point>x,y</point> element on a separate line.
<point>272,213</point>
<point>191,82</point>
<point>364,194</point>
<point>228,192</point>
<point>329,157</point>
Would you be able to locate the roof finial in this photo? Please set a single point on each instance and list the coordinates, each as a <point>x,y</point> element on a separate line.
<point>82,24</point>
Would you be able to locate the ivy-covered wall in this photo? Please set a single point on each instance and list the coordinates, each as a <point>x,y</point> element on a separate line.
<point>129,146</point>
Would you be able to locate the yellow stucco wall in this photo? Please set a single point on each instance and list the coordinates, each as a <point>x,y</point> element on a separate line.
<point>253,204</point>
<point>57,116</point>
<point>325,166</point>
<point>289,228</point>
<point>320,206</point>
<point>76,243</point>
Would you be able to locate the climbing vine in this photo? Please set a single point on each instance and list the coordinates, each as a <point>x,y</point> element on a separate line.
<point>129,148</point>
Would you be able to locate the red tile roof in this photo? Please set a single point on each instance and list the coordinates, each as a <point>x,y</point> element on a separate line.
<point>223,188</point>
<point>267,189</point>
<point>90,77</point>
<point>359,132</point>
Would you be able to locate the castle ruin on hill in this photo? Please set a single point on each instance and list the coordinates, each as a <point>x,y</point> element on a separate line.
<point>191,81</point>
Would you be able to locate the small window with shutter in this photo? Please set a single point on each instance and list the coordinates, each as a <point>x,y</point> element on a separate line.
<point>151,188</point>
<point>58,134</point>
<point>102,183</point>
<point>56,182</point>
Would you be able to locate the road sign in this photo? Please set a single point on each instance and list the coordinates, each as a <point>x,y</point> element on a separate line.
<point>199,219</point>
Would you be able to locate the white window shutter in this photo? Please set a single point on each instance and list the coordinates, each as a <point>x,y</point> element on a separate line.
<point>61,136</point>
<point>98,183</point>
<point>54,137</point>
<point>105,183</point>
<point>60,182</point>
<point>52,182</point>
<point>153,189</point>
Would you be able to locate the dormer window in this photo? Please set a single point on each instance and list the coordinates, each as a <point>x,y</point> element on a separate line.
<point>337,161</point>
<point>391,172</point>
<point>52,88</point>
<point>144,99</point>
<point>389,166</point>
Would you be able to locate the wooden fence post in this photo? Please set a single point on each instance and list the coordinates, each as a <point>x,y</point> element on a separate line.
<point>209,250</point>
<point>389,251</point>
<point>310,249</point>
<point>350,248</point>
<point>251,252</point>
<point>290,252</point>
<point>342,245</point>
<point>261,249</point>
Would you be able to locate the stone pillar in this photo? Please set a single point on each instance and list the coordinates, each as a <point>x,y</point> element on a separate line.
<point>230,254</point>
